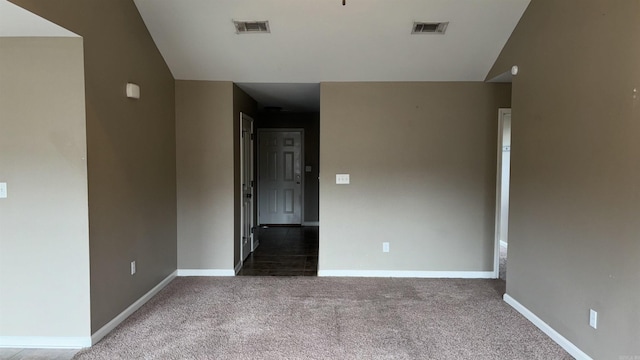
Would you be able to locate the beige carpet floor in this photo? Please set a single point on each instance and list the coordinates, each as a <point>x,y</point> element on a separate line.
<point>326,318</point>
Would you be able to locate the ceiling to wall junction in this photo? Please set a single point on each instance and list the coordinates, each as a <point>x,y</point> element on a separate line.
<point>313,41</point>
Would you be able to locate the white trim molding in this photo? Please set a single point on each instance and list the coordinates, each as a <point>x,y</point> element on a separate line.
<point>238,267</point>
<point>45,342</point>
<point>504,244</point>
<point>206,272</point>
<point>554,335</point>
<point>409,274</point>
<point>61,342</point>
<point>502,113</point>
<point>103,331</point>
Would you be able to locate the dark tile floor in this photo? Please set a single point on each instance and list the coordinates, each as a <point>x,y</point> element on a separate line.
<point>284,251</point>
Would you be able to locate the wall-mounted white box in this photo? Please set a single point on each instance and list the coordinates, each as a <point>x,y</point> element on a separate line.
<point>133,91</point>
<point>593,318</point>
<point>3,190</point>
<point>342,179</point>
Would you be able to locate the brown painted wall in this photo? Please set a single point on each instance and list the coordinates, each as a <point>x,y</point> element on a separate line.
<point>44,221</point>
<point>208,140</point>
<point>573,232</point>
<point>131,151</point>
<point>206,181</point>
<point>422,159</point>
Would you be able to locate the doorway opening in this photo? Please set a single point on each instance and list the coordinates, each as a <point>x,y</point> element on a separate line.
<point>502,193</point>
<point>284,251</point>
<point>286,197</point>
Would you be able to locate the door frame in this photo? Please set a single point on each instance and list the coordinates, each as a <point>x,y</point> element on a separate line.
<point>498,220</point>
<point>302,167</point>
<point>254,242</point>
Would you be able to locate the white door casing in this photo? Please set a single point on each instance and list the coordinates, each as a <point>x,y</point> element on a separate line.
<point>246,185</point>
<point>506,172</point>
<point>502,184</point>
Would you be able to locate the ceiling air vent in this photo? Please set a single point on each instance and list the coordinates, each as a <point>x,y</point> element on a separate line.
<point>251,27</point>
<point>429,27</point>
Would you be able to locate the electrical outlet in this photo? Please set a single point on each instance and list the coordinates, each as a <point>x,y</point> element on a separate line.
<point>133,267</point>
<point>385,247</point>
<point>593,318</point>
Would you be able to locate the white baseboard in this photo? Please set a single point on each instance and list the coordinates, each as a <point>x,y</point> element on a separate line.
<point>554,335</point>
<point>409,274</point>
<point>103,331</point>
<point>57,342</point>
<point>45,342</point>
<point>504,244</point>
<point>237,268</point>
<point>311,223</point>
<point>206,272</point>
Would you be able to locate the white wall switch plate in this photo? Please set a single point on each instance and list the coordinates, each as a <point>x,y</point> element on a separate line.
<point>342,179</point>
<point>3,190</point>
<point>385,247</point>
<point>133,267</point>
<point>593,318</point>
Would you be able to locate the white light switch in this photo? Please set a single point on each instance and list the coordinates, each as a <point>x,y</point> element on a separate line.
<point>342,179</point>
<point>3,190</point>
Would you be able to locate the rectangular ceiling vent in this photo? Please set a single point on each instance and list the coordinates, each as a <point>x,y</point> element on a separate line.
<point>429,27</point>
<point>252,27</point>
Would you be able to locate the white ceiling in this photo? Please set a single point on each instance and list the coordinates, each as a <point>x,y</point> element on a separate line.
<point>313,41</point>
<point>18,22</point>
<point>321,40</point>
<point>296,97</point>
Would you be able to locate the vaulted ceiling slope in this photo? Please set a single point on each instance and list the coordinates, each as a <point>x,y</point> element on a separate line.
<point>314,41</point>
<point>18,22</point>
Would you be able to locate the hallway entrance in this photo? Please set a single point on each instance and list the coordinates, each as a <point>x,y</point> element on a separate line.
<point>283,251</point>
